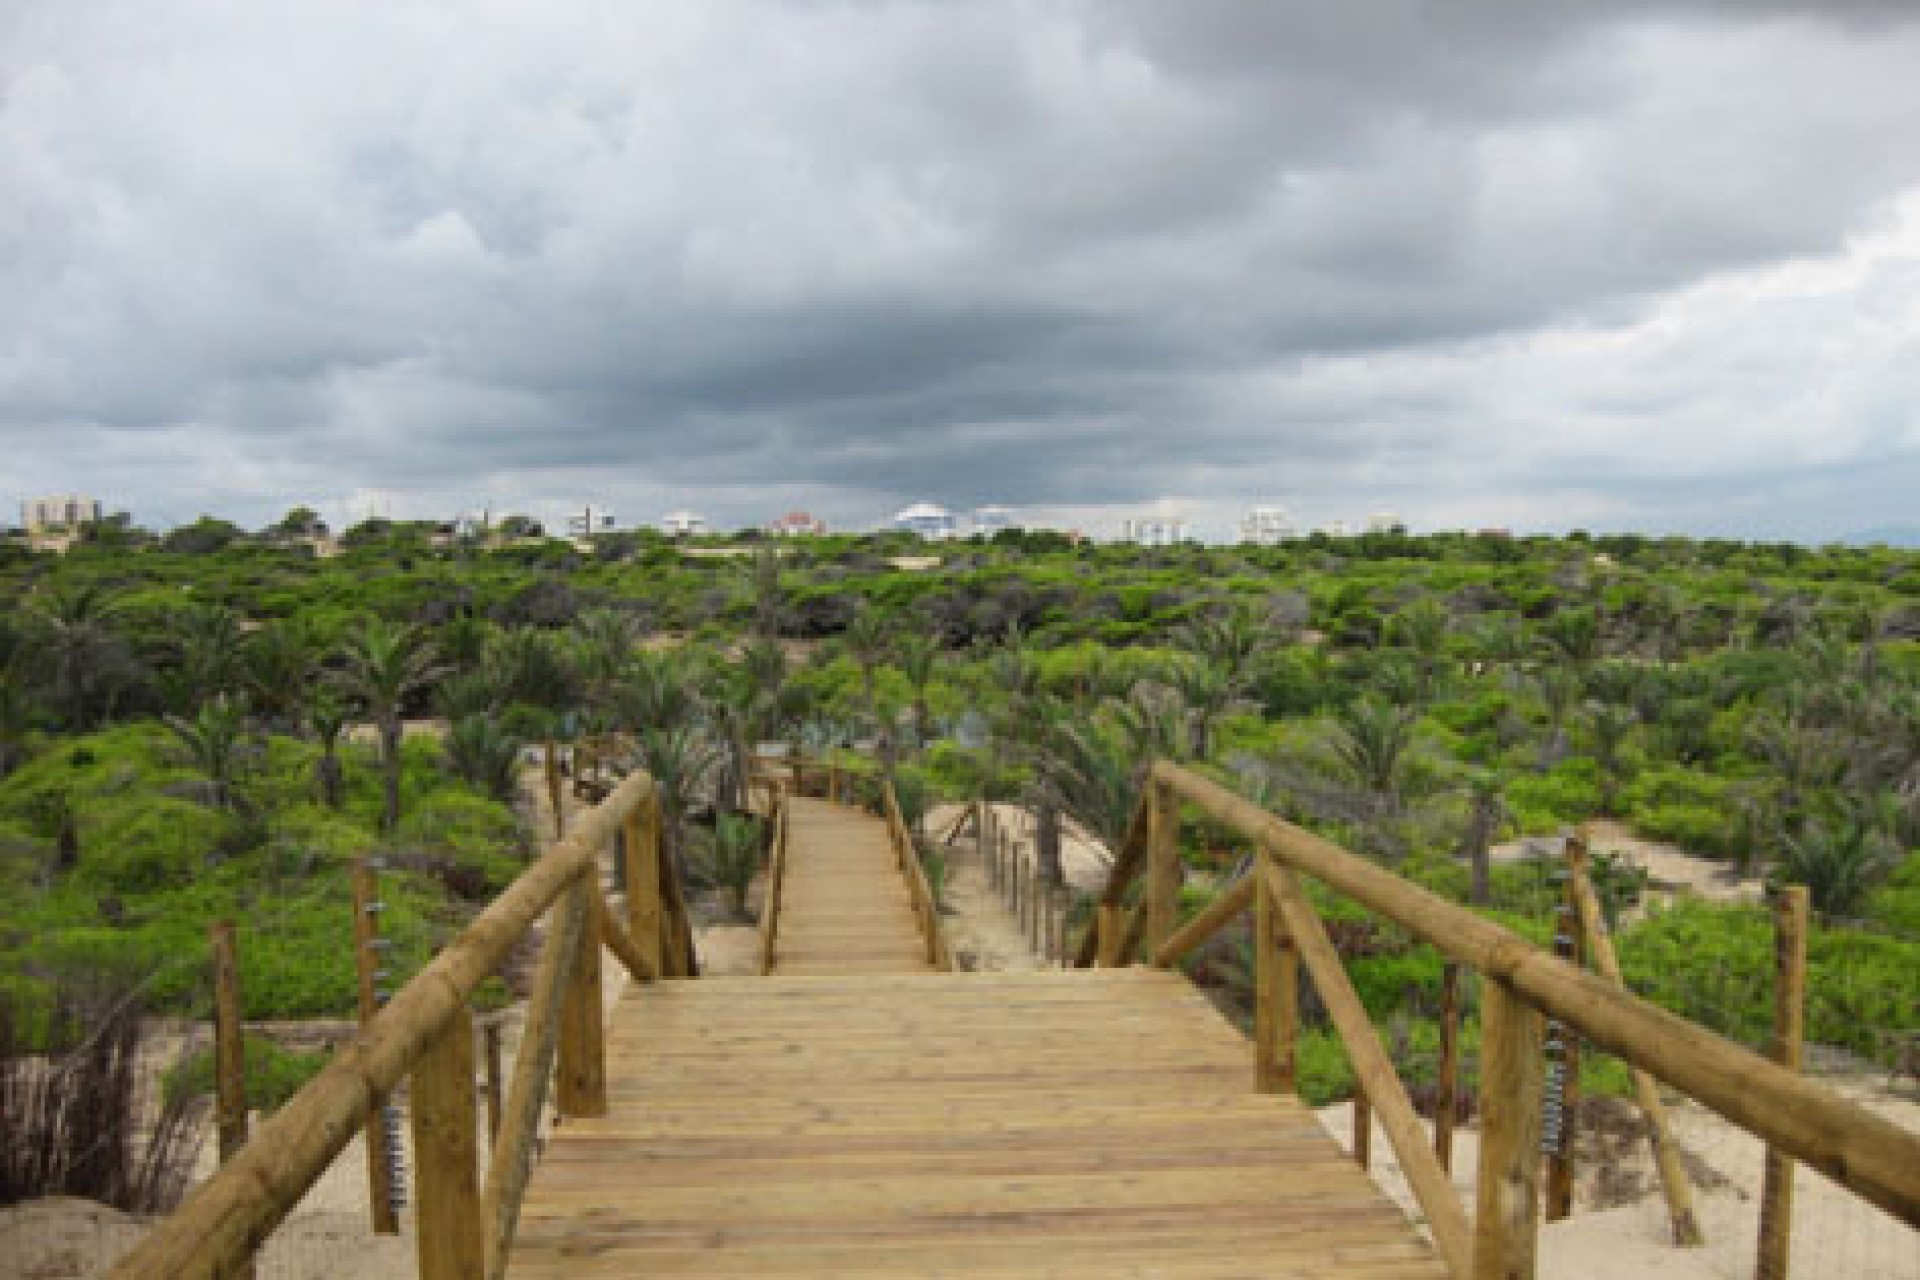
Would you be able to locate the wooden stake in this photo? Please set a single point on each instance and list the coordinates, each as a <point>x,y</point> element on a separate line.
<point>583,1058</point>
<point>1447,1087</point>
<point>1163,864</point>
<point>1276,1009</point>
<point>1507,1216</point>
<point>368,958</point>
<point>229,1050</point>
<point>446,1149</point>
<point>1373,1069</point>
<point>1790,910</point>
<point>1646,1091</point>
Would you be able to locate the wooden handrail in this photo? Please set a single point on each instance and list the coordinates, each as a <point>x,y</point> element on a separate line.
<point>925,908</point>
<point>220,1224</point>
<point>1863,1152</point>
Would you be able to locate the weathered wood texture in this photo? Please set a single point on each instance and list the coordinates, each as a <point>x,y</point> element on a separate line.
<point>845,906</point>
<point>446,1143</point>
<point>1790,916</point>
<point>1087,1123</point>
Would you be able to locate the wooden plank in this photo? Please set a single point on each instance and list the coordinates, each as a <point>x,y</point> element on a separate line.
<point>447,1149</point>
<point>641,840</point>
<point>1082,1123</point>
<point>1276,1012</point>
<point>1162,900</point>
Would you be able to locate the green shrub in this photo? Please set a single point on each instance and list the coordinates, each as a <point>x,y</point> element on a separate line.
<point>1567,794</point>
<point>273,1074</point>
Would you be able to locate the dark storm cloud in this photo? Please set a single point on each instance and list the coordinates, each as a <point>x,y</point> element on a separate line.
<point>1490,263</point>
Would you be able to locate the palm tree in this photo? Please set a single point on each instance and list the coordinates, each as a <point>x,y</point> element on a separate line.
<point>82,661</point>
<point>485,754</point>
<point>327,717</point>
<point>206,646</point>
<point>869,639</point>
<point>1207,692</point>
<point>1486,811</point>
<point>277,667</point>
<point>16,716</point>
<point>1373,749</point>
<point>1422,628</point>
<point>388,666</point>
<point>214,739</point>
<point>918,657</point>
<point>1608,728</point>
<point>1839,862</point>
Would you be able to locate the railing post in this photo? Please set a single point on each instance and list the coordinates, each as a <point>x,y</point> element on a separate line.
<point>229,1050</point>
<point>369,961</point>
<point>1163,863</point>
<point>583,1066</point>
<point>1562,1108</point>
<point>1276,1007</point>
<point>1789,1014</point>
<point>446,1147</point>
<point>642,840</point>
<point>556,794</point>
<point>1507,1216</point>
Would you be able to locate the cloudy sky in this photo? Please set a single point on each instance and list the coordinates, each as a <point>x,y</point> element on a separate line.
<point>1623,266</point>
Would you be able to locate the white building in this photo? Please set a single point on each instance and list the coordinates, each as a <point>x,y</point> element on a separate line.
<point>927,520</point>
<point>988,521</point>
<point>683,524</point>
<point>1386,522</point>
<point>60,511</point>
<point>1265,526</point>
<point>1154,531</point>
<point>590,522</point>
<point>797,524</point>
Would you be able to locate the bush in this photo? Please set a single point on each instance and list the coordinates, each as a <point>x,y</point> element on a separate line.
<point>273,1074</point>
<point>1567,794</point>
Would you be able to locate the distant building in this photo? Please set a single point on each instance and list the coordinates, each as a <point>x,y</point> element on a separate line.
<point>1335,529</point>
<point>683,524</point>
<point>590,522</point>
<point>927,520</point>
<point>1385,522</point>
<point>797,524</point>
<point>988,521</point>
<point>61,511</point>
<point>1154,531</point>
<point>1265,526</point>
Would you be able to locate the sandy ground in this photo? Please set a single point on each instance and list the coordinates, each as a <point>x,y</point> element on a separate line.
<point>1672,871</point>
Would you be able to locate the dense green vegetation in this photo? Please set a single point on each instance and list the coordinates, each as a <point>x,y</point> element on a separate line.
<point>174,712</point>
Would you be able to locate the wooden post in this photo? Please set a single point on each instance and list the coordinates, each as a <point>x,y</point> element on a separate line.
<point>1163,864</point>
<point>369,958</point>
<point>490,1038</point>
<point>1789,1015</point>
<point>1276,998</point>
<point>1447,1086</point>
<point>446,1149</point>
<point>556,794</point>
<point>1562,1119</point>
<point>642,840</point>
<point>1646,1091</point>
<point>1106,931</point>
<point>1507,1216</point>
<point>229,1051</point>
<point>1362,1127</point>
<point>583,1059</point>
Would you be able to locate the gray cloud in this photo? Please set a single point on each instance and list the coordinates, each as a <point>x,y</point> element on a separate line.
<point>1486,264</point>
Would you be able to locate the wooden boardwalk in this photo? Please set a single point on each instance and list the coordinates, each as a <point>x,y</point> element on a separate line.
<point>844,907</point>
<point>856,1115</point>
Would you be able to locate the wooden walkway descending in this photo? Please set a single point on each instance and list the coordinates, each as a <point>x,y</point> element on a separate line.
<point>1085,1123</point>
<point>844,907</point>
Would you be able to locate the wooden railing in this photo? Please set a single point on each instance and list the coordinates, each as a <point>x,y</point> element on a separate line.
<point>1523,985</point>
<point>926,909</point>
<point>464,1223</point>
